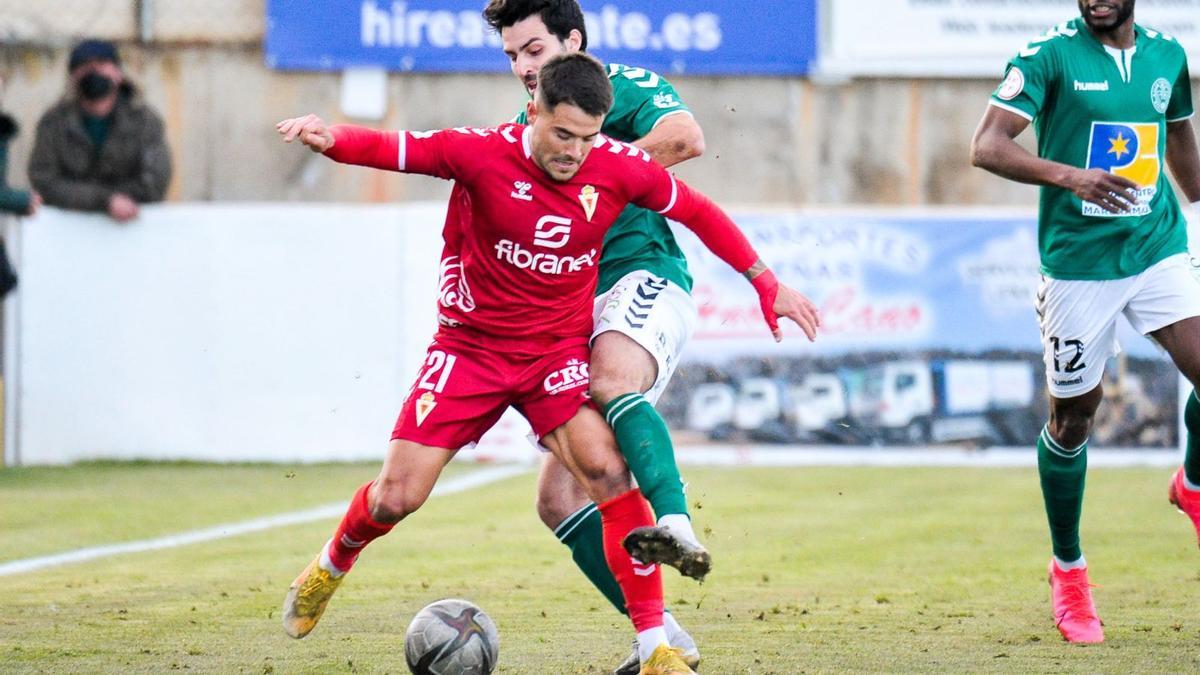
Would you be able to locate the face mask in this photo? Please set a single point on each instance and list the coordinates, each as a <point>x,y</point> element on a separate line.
<point>95,86</point>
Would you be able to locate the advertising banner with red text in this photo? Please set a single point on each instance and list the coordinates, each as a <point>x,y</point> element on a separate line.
<point>929,335</point>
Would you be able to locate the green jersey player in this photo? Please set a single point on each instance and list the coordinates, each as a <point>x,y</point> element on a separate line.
<point>1111,104</point>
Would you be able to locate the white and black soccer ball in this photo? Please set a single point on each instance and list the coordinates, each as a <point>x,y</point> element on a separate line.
<point>452,637</point>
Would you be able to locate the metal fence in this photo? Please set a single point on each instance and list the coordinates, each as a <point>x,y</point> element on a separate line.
<point>60,22</point>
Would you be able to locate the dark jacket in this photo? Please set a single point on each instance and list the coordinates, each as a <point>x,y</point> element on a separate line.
<point>69,171</point>
<point>11,200</point>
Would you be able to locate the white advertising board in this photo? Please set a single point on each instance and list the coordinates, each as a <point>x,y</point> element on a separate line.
<point>221,333</point>
<point>964,38</point>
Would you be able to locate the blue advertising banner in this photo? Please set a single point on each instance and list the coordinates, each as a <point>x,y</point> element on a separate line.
<point>929,336</point>
<point>884,281</point>
<point>702,37</point>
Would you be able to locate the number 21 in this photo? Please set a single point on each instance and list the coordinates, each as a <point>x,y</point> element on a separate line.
<point>437,361</point>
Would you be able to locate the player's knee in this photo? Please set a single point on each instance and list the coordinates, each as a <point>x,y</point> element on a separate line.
<point>548,511</point>
<point>555,506</point>
<point>607,385</point>
<point>604,390</point>
<point>393,504</point>
<point>1071,428</point>
<point>620,366</point>
<point>607,479</point>
<point>1191,371</point>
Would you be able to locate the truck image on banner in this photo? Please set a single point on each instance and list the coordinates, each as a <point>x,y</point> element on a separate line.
<point>924,401</point>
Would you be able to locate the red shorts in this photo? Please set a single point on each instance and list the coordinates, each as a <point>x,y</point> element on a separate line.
<point>463,388</point>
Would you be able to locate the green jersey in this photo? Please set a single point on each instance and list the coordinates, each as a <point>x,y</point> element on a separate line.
<point>1098,107</point>
<point>639,239</point>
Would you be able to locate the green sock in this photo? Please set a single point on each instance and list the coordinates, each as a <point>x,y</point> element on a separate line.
<point>644,440</point>
<point>1062,472</point>
<point>583,534</point>
<point>1191,420</point>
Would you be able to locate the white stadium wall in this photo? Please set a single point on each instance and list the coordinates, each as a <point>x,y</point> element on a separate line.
<point>226,333</point>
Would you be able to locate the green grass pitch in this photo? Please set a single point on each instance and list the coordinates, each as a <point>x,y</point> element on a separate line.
<point>817,570</point>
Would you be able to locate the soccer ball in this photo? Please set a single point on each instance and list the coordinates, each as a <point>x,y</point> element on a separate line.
<point>451,637</point>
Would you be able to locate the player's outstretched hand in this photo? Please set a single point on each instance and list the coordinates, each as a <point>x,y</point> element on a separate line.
<point>1109,191</point>
<point>791,303</point>
<point>310,129</point>
<point>778,300</point>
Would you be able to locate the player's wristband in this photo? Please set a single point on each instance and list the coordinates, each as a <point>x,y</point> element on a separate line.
<point>364,147</point>
<point>1196,206</point>
<point>767,287</point>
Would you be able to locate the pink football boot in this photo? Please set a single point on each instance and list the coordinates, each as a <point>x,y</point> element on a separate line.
<point>1074,612</point>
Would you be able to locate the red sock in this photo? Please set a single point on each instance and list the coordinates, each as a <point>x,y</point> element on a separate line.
<point>356,530</point>
<point>641,584</point>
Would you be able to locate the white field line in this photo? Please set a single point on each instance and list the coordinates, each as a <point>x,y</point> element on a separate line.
<point>848,456</point>
<point>460,484</point>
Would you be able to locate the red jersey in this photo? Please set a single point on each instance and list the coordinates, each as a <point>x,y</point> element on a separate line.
<point>530,249</point>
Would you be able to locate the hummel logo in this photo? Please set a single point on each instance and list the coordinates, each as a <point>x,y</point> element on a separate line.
<point>642,570</point>
<point>522,191</point>
<point>1091,86</point>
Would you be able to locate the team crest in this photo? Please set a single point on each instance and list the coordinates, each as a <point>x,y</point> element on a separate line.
<point>1013,84</point>
<point>1160,94</point>
<point>665,101</point>
<point>589,198</point>
<point>425,405</point>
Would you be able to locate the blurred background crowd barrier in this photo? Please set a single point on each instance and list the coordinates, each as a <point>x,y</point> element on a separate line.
<point>291,332</point>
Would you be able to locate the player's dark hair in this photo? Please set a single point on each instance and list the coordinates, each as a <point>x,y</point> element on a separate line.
<point>560,16</point>
<point>577,79</point>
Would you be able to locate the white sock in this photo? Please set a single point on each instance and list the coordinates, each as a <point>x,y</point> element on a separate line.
<point>1189,485</point>
<point>681,525</point>
<point>1068,566</point>
<point>649,640</point>
<point>672,626</point>
<point>327,564</point>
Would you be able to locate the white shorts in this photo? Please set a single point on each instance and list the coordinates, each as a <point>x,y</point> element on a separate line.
<point>655,313</point>
<point>1079,319</point>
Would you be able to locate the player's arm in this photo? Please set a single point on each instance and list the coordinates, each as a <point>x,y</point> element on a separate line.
<point>721,236</point>
<point>1183,158</point>
<point>647,107</point>
<point>345,143</point>
<point>995,149</point>
<point>676,138</point>
<point>441,154</point>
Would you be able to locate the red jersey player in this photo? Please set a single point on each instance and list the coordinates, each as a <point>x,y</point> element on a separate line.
<point>542,197</point>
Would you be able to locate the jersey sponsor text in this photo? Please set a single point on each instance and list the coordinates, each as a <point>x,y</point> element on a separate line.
<point>573,376</point>
<point>547,263</point>
<point>1128,150</point>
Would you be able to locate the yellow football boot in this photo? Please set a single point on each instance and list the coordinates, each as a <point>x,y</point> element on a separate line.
<point>680,641</point>
<point>666,661</point>
<point>307,597</point>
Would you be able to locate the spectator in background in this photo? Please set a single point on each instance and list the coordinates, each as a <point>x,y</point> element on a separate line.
<point>12,200</point>
<point>101,148</point>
